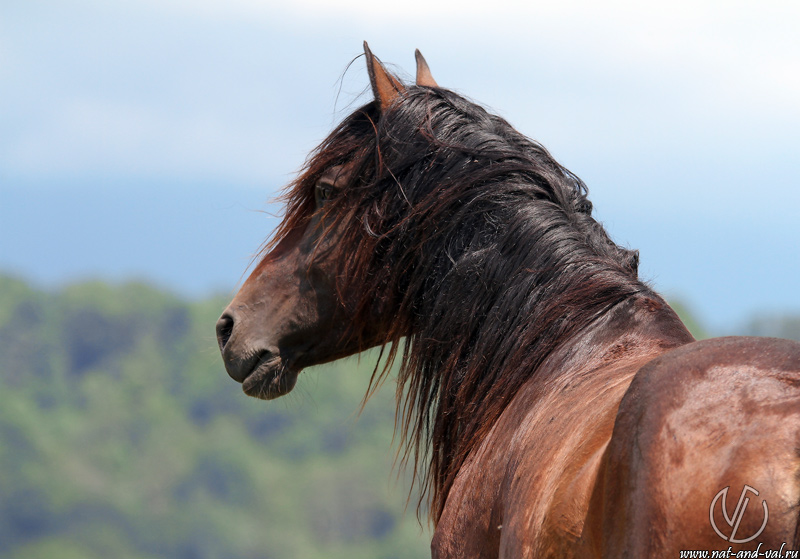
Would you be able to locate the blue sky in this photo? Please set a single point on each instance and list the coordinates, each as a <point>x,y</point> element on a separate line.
<point>143,139</point>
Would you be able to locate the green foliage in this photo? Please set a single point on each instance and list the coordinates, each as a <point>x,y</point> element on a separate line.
<point>122,436</point>
<point>689,319</point>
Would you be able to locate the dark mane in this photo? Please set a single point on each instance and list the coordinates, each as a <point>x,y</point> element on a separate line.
<point>496,241</point>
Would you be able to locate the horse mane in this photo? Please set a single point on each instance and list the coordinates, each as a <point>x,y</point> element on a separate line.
<point>470,241</point>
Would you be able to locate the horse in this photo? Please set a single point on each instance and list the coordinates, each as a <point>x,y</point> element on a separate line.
<point>551,403</point>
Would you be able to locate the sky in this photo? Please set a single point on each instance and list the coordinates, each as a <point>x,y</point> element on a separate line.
<point>144,139</point>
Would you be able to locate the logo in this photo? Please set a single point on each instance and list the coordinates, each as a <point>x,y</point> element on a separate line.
<point>736,518</point>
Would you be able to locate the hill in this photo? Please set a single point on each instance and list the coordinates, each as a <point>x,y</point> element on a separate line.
<point>121,436</point>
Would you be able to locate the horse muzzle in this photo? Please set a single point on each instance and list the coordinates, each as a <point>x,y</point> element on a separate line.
<point>262,372</point>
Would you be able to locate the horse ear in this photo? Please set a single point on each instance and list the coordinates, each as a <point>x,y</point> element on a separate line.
<point>384,85</point>
<point>424,76</point>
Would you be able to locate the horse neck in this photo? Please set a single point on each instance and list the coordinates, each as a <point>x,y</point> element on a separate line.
<point>530,335</point>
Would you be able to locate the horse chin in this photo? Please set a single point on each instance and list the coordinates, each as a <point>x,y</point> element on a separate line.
<point>270,380</point>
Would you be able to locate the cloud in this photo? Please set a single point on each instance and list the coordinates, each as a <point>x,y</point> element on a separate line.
<point>242,88</point>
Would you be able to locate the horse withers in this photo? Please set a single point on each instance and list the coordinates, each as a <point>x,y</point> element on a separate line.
<point>554,405</point>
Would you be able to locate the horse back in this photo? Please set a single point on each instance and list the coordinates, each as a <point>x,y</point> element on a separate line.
<point>712,414</point>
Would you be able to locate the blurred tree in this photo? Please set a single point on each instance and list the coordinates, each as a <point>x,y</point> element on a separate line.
<point>122,436</point>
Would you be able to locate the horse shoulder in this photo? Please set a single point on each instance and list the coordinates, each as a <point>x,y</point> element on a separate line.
<point>710,414</point>
<point>525,490</point>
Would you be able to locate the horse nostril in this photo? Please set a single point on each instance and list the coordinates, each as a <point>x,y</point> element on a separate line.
<point>224,330</point>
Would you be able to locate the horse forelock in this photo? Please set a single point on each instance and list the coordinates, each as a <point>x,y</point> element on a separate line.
<point>470,241</point>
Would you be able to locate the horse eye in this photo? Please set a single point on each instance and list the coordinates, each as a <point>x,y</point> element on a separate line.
<point>323,193</point>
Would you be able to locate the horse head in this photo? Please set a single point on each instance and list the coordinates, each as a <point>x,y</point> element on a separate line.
<point>304,303</point>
